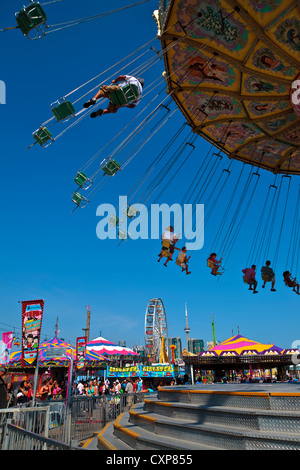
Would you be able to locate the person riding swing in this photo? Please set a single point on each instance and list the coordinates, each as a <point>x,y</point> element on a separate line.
<point>169,239</point>
<point>182,261</point>
<point>124,91</point>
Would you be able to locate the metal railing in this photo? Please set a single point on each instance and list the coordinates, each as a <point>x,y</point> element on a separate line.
<point>53,425</point>
<point>90,414</point>
<point>32,419</point>
<point>16,438</point>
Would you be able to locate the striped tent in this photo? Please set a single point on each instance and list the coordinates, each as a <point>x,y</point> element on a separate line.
<point>108,348</point>
<point>91,357</point>
<point>239,345</point>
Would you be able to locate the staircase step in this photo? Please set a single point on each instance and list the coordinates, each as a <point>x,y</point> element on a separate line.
<point>108,441</point>
<point>138,438</point>
<point>255,397</point>
<point>224,437</point>
<point>263,420</point>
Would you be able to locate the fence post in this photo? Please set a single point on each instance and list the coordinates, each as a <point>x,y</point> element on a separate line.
<point>36,378</point>
<point>69,401</point>
<point>5,444</point>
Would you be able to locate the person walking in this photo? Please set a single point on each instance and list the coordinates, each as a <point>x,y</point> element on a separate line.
<point>129,391</point>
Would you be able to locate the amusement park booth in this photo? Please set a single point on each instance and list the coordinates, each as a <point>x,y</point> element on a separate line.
<point>238,357</point>
<point>54,360</point>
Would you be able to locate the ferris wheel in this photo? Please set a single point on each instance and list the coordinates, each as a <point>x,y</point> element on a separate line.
<point>156,331</point>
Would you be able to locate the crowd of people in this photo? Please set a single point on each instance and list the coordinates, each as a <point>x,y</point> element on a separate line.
<point>96,387</point>
<point>50,390</point>
<point>268,275</point>
<point>169,240</point>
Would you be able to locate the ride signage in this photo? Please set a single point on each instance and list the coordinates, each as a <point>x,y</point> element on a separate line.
<point>132,371</point>
<point>139,370</point>
<point>32,315</point>
<point>80,350</point>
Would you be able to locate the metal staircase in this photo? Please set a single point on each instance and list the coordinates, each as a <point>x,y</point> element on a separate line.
<point>210,418</point>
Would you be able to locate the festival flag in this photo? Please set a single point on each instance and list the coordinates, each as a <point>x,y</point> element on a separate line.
<point>7,339</point>
<point>32,315</point>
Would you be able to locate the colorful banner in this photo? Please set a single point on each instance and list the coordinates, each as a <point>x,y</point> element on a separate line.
<point>32,315</point>
<point>7,339</point>
<point>164,370</point>
<point>132,371</point>
<point>80,351</point>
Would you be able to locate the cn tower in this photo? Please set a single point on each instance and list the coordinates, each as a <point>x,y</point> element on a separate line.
<point>187,328</point>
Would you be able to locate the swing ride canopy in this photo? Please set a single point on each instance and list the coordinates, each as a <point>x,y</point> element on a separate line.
<point>105,347</point>
<point>231,68</point>
<point>92,358</point>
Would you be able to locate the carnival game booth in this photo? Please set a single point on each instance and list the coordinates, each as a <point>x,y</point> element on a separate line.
<point>112,351</point>
<point>239,356</point>
<point>54,359</point>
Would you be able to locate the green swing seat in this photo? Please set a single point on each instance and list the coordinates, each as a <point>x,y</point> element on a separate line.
<point>114,221</point>
<point>122,235</point>
<point>42,136</point>
<point>79,200</point>
<point>131,212</point>
<point>124,95</point>
<point>111,168</point>
<point>82,180</point>
<point>63,110</point>
<point>30,18</point>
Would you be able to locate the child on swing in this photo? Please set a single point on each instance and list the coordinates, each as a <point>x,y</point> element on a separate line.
<point>215,263</point>
<point>182,260</point>
<point>290,282</point>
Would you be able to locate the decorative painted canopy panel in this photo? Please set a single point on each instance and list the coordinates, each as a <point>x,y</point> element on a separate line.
<point>232,67</point>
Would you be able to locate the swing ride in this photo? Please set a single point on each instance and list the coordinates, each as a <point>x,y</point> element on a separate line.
<point>32,19</point>
<point>233,73</point>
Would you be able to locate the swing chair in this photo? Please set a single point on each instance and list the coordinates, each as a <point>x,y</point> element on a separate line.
<point>180,259</point>
<point>124,95</point>
<point>30,18</point>
<point>220,270</point>
<point>251,283</point>
<point>166,248</point>
<point>42,136</point>
<point>122,235</point>
<point>82,180</point>
<point>111,168</point>
<point>131,212</point>
<point>114,221</point>
<point>266,278</point>
<point>63,110</point>
<point>79,200</point>
<point>288,282</point>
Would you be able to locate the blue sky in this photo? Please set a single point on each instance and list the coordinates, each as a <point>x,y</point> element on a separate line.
<point>49,253</point>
